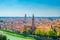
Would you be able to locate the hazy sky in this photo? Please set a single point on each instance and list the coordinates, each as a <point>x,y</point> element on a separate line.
<point>29,7</point>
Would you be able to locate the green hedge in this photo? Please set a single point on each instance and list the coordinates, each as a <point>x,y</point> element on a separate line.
<point>3,37</point>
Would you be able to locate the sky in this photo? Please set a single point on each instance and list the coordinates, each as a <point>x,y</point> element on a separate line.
<point>40,8</point>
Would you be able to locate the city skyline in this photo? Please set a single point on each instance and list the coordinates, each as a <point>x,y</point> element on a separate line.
<point>40,8</point>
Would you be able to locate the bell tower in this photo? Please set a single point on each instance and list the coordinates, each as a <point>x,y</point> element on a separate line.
<point>33,23</point>
<point>25,22</point>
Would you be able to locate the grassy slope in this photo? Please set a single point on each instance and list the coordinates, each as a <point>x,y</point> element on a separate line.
<point>17,35</point>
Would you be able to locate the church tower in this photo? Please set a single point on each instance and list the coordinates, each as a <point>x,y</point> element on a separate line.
<point>33,23</point>
<point>25,22</point>
<point>25,17</point>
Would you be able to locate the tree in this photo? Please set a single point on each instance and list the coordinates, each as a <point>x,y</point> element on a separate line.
<point>59,26</point>
<point>58,33</point>
<point>52,32</point>
<point>3,37</point>
<point>27,31</point>
<point>40,32</point>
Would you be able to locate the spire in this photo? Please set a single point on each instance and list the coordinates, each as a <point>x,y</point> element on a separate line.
<point>25,16</point>
<point>33,24</point>
<point>33,20</point>
<point>25,22</point>
<point>25,19</point>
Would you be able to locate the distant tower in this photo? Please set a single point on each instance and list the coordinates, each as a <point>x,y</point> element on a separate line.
<point>33,23</point>
<point>51,27</point>
<point>33,20</point>
<point>25,18</point>
<point>25,22</point>
<point>0,27</point>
